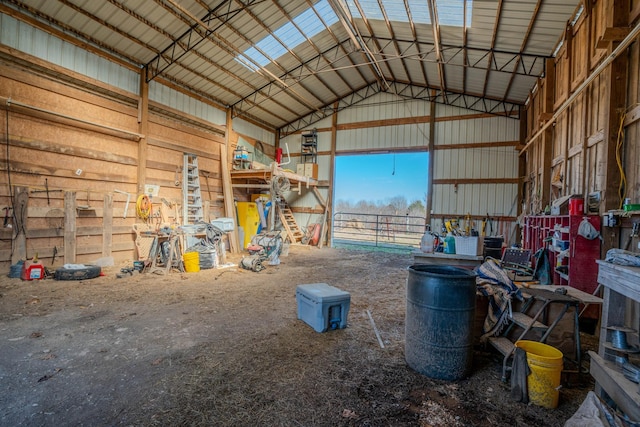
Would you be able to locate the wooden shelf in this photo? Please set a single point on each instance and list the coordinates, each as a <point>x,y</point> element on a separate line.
<point>621,286</point>
<point>620,389</point>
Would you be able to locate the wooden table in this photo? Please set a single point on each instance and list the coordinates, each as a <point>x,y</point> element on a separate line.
<point>439,258</point>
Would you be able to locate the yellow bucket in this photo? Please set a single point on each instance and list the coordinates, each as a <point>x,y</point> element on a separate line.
<point>191,262</point>
<point>546,366</point>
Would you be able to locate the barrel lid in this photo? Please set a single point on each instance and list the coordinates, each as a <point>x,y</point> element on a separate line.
<point>448,271</point>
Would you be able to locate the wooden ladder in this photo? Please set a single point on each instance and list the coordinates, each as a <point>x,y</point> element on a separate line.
<point>289,223</point>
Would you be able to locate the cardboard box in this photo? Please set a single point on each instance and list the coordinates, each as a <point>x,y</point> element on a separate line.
<point>307,169</point>
<point>323,307</point>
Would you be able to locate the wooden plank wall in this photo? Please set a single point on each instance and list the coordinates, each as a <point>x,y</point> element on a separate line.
<point>580,135</point>
<point>85,163</point>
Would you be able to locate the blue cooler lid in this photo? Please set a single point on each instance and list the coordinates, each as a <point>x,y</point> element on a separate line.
<point>323,292</point>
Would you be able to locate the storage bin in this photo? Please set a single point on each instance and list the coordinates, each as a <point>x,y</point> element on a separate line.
<point>467,245</point>
<point>323,307</point>
<point>224,224</point>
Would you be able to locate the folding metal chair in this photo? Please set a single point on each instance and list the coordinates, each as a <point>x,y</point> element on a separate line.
<point>517,261</point>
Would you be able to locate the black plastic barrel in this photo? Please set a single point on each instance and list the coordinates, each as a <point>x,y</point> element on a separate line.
<point>492,247</point>
<point>441,303</point>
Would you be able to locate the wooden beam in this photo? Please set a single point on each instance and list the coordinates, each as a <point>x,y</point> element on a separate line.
<point>20,204</point>
<point>547,160</point>
<point>69,150</point>
<point>229,205</point>
<point>632,116</point>
<point>476,181</point>
<point>143,129</point>
<point>69,227</point>
<point>107,225</point>
<point>328,208</point>
<point>430,162</point>
<point>612,34</point>
<point>477,145</point>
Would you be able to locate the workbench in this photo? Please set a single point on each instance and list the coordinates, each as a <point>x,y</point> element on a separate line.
<point>439,258</point>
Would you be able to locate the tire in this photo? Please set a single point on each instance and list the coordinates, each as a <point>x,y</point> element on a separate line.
<point>89,272</point>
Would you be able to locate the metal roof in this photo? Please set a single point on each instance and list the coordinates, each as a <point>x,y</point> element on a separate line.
<point>287,64</point>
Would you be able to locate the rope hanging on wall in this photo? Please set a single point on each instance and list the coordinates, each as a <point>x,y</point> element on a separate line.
<point>143,206</point>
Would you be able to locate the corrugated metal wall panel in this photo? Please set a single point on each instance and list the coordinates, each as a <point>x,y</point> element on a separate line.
<point>33,41</point>
<point>485,129</point>
<point>475,199</point>
<point>482,163</point>
<point>249,129</point>
<point>181,102</point>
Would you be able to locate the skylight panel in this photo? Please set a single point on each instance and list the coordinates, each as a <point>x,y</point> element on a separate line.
<point>396,11</point>
<point>420,11</point>
<point>370,8</point>
<point>287,37</point>
<point>450,12</point>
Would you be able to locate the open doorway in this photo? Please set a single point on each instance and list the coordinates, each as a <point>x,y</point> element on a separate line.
<point>380,199</point>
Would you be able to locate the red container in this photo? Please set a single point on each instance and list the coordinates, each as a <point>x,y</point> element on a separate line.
<point>576,206</point>
<point>32,270</point>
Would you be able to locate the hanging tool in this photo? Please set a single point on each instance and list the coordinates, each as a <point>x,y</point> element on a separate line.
<point>55,252</point>
<point>206,175</point>
<point>46,190</point>
<point>7,209</point>
<point>126,205</point>
<point>634,233</point>
<point>467,227</point>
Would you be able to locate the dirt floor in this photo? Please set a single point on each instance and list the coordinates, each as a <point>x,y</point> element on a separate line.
<point>224,347</point>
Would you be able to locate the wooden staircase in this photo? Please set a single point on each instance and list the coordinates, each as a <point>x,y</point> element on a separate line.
<point>528,323</point>
<point>289,223</point>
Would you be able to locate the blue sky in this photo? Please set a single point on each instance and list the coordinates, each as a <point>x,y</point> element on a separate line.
<point>373,177</point>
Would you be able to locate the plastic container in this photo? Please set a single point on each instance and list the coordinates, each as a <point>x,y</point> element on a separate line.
<point>492,247</point>
<point>466,245</point>
<point>248,219</point>
<point>546,366</point>
<point>576,206</point>
<point>323,307</point>
<point>224,224</point>
<point>440,317</point>
<point>426,244</point>
<point>32,270</point>
<point>450,244</point>
<point>191,262</point>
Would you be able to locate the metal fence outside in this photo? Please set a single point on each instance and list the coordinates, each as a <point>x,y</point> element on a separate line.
<point>379,230</point>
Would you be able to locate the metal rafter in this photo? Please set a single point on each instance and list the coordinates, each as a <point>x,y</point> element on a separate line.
<point>69,29</point>
<point>415,41</point>
<point>464,43</point>
<point>295,74</point>
<point>525,42</point>
<point>329,109</point>
<point>192,37</point>
<point>187,68</point>
<point>270,75</point>
<point>344,16</point>
<point>367,24</point>
<point>493,45</point>
<point>393,36</point>
<point>435,26</point>
<point>292,53</point>
<point>336,40</point>
<point>314,46</point>
<point>470,102</point>
<point>453,51</point>
<point>233,51</point>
